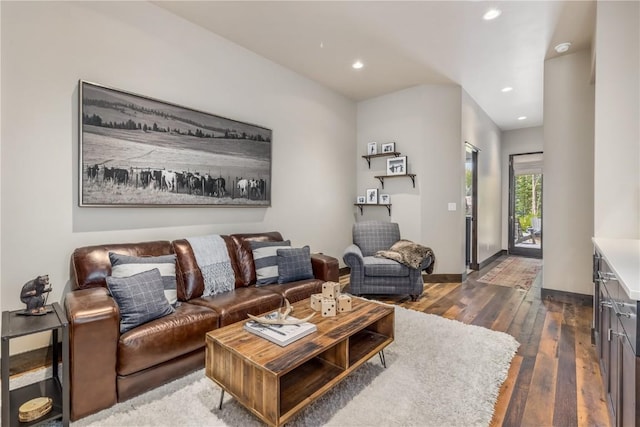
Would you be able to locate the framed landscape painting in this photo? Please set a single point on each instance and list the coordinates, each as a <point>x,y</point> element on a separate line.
<point>139,151</point>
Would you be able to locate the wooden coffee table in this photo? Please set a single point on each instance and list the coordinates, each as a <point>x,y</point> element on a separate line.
<point>277,382</point>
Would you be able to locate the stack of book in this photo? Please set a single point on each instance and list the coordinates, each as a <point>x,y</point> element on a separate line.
<point>280,334</point>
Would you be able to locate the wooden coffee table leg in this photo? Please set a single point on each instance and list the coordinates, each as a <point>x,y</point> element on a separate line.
<point>382,359</point>
<point>221,397</point>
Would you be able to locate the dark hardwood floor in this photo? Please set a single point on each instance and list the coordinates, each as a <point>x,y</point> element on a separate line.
<point>554,379</point>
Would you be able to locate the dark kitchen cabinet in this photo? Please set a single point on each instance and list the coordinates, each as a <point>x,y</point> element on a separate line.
<point>615,330</point>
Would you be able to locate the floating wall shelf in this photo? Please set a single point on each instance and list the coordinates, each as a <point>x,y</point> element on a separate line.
<point>368,157</point>
<point>362,205</point>
<point>381,178</point>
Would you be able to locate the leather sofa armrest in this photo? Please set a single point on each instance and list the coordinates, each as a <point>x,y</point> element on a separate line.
<point>94,330</point>
<point>325,267</point>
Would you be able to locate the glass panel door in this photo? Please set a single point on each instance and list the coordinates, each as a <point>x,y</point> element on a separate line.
<point>525,204</point>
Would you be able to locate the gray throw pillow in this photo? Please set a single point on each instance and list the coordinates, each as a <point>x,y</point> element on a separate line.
<point>294,264</point>
<point>125,266</point>
<point>140,298</point>
<point>265,257</point>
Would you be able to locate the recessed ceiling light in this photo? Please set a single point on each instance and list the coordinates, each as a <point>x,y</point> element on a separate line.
<point>491,14</point>
<point>357,65</point>
<point>563,47</point>
<point>506,89</point>
<point>522,118</point>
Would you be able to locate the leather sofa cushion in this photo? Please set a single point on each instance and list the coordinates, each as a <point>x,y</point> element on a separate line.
<point>189,278</point>
<point>296,291</point>
<point>244,254</point>
<point>233,306</point>
<point>132,385</point>
<point>166,338</point>
<point>90,264</point>
<point>374,266</point>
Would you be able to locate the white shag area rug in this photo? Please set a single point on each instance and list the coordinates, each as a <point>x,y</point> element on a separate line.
<point>439,372</point>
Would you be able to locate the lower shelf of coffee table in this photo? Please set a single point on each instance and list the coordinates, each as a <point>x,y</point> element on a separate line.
<point>304,381</point>
<point>313,378</point>
<point>363,344</point>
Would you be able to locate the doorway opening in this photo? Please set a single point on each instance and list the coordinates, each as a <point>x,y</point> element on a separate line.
<point>525,204</point>
<point>471,207</point>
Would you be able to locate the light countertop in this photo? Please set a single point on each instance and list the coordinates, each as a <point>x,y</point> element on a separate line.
<point>623,257</point>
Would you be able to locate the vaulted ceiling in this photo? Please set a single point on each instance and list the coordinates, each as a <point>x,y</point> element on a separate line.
<point>407,43</point>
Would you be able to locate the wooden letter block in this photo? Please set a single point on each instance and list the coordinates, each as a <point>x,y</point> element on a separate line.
<point>330,290</point>
<point>344,303</point>
<point>316,302</point>
<point>328,307</point>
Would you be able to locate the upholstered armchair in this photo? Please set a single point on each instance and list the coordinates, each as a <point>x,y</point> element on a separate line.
<point>377,275</point>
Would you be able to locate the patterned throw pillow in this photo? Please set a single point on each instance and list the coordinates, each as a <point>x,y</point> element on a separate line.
<point>125,266</point>
<point>140,298</point>
<point>294,264</point>
<point>265,257</point>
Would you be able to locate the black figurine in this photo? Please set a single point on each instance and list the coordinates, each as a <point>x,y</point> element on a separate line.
<point>35,293</point>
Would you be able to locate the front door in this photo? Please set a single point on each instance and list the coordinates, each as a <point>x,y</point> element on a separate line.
<point>525,204</point>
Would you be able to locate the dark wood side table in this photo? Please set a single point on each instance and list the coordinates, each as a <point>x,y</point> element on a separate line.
<point>15,325</point>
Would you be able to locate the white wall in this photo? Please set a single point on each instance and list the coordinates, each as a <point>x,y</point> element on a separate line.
<point>425,123</point>
<point>518,141</point>
<point>138,47</point>
<point>395,117</point>
<point>617,128</point>
<point>479,130</point>
<point>568,173</point>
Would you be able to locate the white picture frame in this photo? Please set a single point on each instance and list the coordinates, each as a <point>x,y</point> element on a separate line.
<point>372,148</point>
<point>372,196</point>
<point>389,147</point>
<point>385,199</point>
<point>397,166</point>
<point>361,200</point>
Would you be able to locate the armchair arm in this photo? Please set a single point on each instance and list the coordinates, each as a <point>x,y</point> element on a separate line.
<point>354,259</point>
<point>94,330</point>
<point>353,256</point>
<point>325,267</point>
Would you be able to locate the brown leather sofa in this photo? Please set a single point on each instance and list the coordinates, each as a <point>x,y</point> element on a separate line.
<point>109,367</point>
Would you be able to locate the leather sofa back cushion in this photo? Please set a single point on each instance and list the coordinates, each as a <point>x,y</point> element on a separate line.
<point>189,278</point>
<point>90,264</point>
<point>244,254</point>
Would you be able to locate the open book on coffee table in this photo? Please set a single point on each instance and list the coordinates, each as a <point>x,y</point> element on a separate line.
<point>280,334</point>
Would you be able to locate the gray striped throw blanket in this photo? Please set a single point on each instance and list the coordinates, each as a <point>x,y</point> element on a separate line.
<point>214,263</point>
